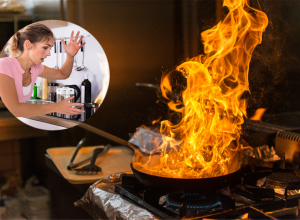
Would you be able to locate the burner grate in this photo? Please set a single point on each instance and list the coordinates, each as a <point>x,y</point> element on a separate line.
<point>193,201</point>
<point>167,204</point>
<point>175,205</point>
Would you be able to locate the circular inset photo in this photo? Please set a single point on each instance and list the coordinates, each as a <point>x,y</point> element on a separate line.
<point>53,75</point>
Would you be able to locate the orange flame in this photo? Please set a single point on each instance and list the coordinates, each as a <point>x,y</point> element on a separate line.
<point>103,64</point>
<point>99,98</point>
<point>258,114</point>
<point>206,141</point>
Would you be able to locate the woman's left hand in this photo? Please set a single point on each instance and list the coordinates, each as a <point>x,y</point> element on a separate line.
<point>73,45</point>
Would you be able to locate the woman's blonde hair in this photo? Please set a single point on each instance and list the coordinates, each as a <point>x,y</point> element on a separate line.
<point>35,33</point>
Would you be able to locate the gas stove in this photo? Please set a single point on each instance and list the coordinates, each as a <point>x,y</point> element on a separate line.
<point>266,190</point>
<point>243,200</point>
<point>258,195</point>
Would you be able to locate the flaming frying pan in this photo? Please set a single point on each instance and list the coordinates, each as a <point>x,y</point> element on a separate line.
<point>155,181</point>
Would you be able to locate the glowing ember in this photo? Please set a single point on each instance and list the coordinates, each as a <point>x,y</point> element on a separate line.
<point>206,141</point>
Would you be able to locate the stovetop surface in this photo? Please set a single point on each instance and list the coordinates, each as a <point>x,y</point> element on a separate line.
<point>241,201</point>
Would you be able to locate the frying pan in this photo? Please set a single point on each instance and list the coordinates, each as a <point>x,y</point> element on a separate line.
<point>154,181</point>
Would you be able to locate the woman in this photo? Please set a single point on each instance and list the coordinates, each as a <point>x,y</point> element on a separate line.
<point>18,73</point>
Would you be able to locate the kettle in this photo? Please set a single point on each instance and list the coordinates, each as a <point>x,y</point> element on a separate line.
<point>77,91</point>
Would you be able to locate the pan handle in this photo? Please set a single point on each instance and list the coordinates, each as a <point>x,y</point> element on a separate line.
<point>109,136</point>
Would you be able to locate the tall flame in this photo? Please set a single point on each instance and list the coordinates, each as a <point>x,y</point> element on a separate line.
<point>206,141</point>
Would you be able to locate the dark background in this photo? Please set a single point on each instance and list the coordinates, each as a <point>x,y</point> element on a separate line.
<point>274,70</point>
<point>142,39</point>
<point>154,36</point>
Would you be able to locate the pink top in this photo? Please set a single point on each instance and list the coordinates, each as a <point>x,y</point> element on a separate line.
<point>11,67</point>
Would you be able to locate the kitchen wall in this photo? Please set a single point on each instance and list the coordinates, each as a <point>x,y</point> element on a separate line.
<point>141,40</point>
<point>274,69</point>
<point>138,38</point>
<point>95,61</point>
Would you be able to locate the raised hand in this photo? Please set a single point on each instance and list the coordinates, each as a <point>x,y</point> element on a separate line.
<point>74,45</point>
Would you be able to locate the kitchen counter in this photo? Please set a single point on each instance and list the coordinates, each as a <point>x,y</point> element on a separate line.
<point>47,122</point>
<point>50,164</point>
<point>78,190</point>
<point>64,194</point>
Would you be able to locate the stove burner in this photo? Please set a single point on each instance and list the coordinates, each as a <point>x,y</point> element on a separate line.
<point>169,204</point>
<point>192,201</point>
